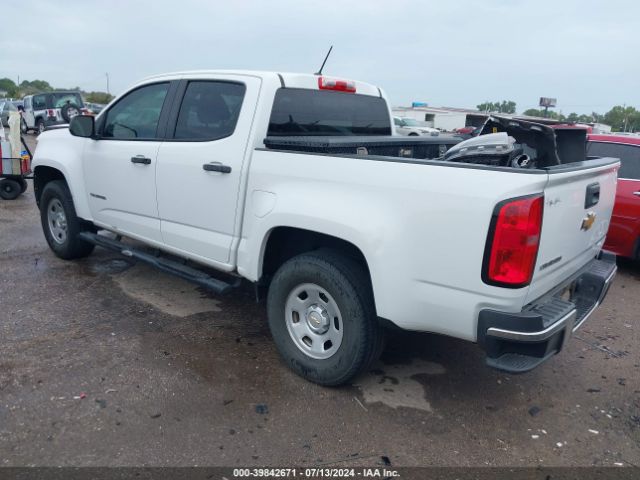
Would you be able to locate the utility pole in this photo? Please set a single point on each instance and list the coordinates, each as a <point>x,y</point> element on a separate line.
<point>107,75</point>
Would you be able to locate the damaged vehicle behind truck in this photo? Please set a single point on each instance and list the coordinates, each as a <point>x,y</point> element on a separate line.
<point>295,183</point>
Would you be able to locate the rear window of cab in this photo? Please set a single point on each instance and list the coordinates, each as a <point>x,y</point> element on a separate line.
<point>302,112</point>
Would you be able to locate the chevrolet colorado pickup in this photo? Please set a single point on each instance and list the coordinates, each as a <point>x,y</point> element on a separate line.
<point>297,184</point>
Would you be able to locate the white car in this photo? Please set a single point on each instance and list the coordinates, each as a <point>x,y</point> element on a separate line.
<point>51,108</point>
<point>411,127</point>
<point>239,172</point>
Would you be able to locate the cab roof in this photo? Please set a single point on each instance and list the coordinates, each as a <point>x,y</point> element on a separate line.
<point>286,79</point>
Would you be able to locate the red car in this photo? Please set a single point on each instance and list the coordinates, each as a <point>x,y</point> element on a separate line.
<point>624,232</point>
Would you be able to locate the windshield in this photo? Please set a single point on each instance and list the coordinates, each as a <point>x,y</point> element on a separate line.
<point>59,100</point>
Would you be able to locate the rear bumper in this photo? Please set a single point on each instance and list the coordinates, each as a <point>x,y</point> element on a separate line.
<point>519,342</point>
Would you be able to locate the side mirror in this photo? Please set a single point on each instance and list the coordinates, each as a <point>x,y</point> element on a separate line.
<point>82,126</point>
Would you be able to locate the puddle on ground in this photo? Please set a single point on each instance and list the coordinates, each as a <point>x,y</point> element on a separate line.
<point>167,293</point>
<point>394,385</point>
<point>112,265</point>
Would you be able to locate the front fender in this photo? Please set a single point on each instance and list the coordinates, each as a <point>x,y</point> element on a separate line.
<point>62,151</point>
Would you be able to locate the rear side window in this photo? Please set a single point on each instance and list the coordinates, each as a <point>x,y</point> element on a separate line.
<point>209,110</point>
<point>629,156</point>
<point>39,102</point>
<point>299,112</point>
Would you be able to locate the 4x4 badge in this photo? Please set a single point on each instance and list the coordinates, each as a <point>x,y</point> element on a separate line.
<point>588,221</point>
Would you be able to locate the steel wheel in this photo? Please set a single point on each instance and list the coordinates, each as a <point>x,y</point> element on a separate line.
<point>57,221</point>
<point>314,321</point>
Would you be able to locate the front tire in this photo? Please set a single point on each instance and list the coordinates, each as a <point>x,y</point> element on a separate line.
<point>60,224</point>
<point>322,317</point>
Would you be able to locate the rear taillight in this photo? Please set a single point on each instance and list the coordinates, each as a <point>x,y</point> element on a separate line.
<point>325,83</point>
<point>512,243</point>
<point>51,113</point>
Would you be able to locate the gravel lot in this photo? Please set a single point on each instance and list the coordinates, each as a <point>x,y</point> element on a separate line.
<point>108,363</point>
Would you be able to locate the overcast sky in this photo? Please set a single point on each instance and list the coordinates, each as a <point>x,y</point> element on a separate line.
<point>451,53</point>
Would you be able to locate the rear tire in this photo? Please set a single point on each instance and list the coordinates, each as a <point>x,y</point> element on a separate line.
<point>60,224</point>
<point>333,291</point>
<point>23,185</point>
<point>10,189</point>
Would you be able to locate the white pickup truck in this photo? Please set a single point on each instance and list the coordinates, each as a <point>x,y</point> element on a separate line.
<point>295,183</point>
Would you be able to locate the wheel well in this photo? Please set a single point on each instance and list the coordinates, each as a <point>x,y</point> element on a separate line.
<point>287,242</point>
<point>43,175</point>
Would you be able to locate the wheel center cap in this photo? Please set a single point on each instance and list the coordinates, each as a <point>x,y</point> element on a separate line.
<point>317,319</point>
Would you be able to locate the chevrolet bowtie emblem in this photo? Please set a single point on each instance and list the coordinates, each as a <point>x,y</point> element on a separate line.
<point>588,221</point>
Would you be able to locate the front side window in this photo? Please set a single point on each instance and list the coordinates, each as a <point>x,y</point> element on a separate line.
<point>136,115</point>
<point>209,110</point>
<point>629,156</point>
<point>300,112</point>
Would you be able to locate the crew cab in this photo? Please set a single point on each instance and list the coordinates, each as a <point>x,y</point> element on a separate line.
<point>296,183</point>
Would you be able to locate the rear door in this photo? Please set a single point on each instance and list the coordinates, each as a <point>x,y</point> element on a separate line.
<point>625,224</point>
<point>28,115</point>
<point>201,162</point>
<point>578,203</point>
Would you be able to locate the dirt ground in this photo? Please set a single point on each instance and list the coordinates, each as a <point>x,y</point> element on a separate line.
<point>104,362</point>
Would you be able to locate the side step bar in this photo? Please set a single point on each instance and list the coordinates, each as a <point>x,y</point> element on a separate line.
<point>166,265</point>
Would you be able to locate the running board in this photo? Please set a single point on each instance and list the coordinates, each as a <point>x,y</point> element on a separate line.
<point>166,265</point>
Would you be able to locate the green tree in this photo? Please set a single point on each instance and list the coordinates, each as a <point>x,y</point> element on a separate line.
<point>98,97</point>
<point>622,118</point>
<point>506,106</point>
<point>9,86</point>
<point>534,112</point>
<point>35,86</point>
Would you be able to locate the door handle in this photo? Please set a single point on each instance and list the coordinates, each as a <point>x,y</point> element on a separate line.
<point>141,159</point>
<point>637,194</point>
<point>216,167</point>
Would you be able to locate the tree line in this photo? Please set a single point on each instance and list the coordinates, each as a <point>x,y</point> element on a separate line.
<point>621,118</point>
<point>26,87</point>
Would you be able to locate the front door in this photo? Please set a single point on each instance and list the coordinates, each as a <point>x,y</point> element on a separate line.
<point>200,165</point>
<point>120,166</point>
